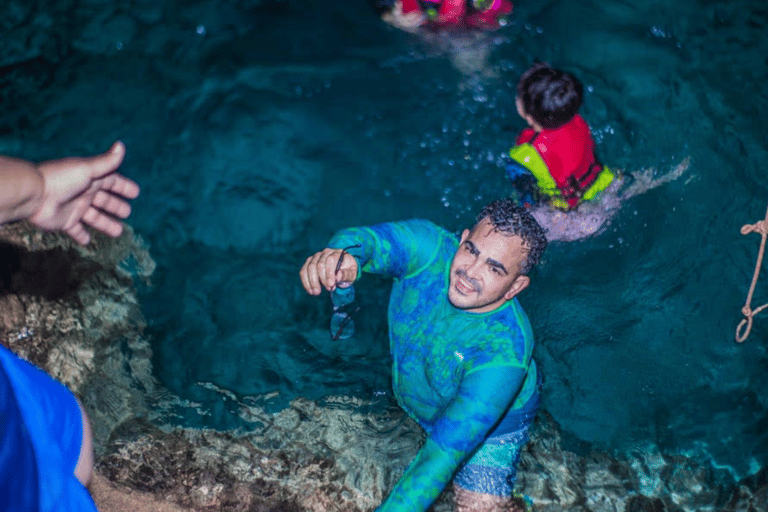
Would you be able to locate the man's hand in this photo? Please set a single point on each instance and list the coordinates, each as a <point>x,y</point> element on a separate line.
<point>319,271</point>
<point>409,22</point>
<point>79,191</point>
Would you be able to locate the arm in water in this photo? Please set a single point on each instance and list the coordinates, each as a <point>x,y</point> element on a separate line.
<point>483,398</point>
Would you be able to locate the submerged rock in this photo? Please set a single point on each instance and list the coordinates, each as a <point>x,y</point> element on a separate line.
<point>72,311</point>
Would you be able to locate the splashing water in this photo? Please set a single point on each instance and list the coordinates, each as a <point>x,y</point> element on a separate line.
<point>593,216</point>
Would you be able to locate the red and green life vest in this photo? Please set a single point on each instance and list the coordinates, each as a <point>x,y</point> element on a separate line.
<point>571,149</point>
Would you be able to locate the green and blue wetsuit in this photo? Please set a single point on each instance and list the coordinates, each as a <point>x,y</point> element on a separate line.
<point>467,378</point>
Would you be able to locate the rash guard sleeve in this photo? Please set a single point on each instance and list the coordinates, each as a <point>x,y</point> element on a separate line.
<point>394,249</point>
<point>483,398</point>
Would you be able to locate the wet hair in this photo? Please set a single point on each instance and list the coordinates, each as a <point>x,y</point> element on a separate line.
<point>550,96</point>
<point>514,220</point>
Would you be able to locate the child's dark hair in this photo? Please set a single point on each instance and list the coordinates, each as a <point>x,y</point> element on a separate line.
<point>550,96</point>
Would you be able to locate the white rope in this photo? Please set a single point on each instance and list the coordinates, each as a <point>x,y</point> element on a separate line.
<point>742,330</point>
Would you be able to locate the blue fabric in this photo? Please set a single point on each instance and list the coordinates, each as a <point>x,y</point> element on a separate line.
<point>18,467</point>
<point>515,419</point>
<point>459,374</point>
<point>524,183</point>
<point>41,441</point>
<point>515,170</point>
<point>492,469</point>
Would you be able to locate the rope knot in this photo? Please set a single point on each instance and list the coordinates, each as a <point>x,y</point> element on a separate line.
<point>758,227</point>
<point>742,330</point>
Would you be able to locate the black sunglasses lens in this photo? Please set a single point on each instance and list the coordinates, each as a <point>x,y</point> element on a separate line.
<point>342,326</point>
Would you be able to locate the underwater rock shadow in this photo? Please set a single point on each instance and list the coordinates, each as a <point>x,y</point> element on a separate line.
<point>52,274</point>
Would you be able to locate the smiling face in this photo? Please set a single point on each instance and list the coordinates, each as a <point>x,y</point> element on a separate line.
<point>485,271</point>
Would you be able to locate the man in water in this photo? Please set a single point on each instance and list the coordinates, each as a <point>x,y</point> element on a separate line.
<point>461,346</point>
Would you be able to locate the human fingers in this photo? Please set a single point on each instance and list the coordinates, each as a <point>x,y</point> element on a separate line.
<point>326,268</point>
<point>319,271</point>
<point>111,204</point>
<point>340,267</point>
<point>308,275</point>
<point>105,163</point>
<point>347,275</point>
<point>78,233</point>
<point>102,222</point>
<point>120,185</point>
<point>345,270</point>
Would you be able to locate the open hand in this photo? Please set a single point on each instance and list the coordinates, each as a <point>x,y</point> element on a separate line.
<point>79,191</point>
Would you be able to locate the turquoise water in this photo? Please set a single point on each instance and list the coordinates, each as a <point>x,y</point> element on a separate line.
<point>258,128</point>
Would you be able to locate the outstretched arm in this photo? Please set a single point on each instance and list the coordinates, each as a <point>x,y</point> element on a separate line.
<point>483,398</point>
<point>67,194</point>
<point>393,249</point>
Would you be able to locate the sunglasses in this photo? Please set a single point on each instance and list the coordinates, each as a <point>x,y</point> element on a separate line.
<point>342,321</point>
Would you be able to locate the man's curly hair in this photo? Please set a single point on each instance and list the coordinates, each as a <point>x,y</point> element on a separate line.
<point>511,219</point>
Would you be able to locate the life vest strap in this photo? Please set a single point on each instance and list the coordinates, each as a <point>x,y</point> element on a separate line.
<point>585,187</point>
<point>578,186</point>
<point>527,156</point>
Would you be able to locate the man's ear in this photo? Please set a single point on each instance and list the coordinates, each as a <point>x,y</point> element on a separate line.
<point>520,283</point>
<point>464,236</point>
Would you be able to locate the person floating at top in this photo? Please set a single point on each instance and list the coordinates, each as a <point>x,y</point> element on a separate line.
<point>410,15</point>
<point>461,346</point>
<point>554,158</point>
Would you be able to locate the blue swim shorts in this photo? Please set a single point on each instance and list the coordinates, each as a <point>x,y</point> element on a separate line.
<point>41,434</point>
<point>492,469</point>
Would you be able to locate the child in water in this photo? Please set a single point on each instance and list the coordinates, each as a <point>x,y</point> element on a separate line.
<point>410,15</point>
<point>554,158</point>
